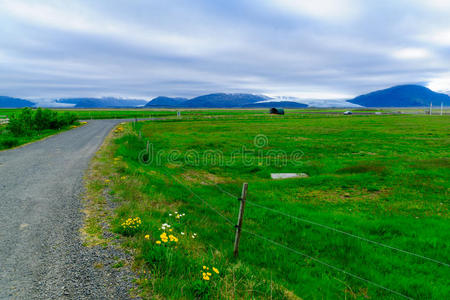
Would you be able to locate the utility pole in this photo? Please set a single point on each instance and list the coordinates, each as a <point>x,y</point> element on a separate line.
<point>431,107</point>
<point>442,107</point>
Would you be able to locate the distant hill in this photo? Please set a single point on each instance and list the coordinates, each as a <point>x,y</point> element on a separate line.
<point>280,104</point>
<point>168,102</point>
<point>218,100</point>
<point>102,102</point>
<point>402,96</point>
<point>222,100</point>
<point>10,102</point>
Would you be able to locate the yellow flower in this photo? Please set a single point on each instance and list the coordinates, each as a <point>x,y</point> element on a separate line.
<point>170,229</point>
<point>158,242</point>
<point>206,278</point>
<point>147,237</point>
<point>204,267</point>
<point>209,274</point>
<point>216,270</point>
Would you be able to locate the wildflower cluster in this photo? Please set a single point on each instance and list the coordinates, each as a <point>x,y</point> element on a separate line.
<point>207,274</point>
<point>119,129</point>
<point>177,215</point>
<point>166,238</point>
<point>131,226</point>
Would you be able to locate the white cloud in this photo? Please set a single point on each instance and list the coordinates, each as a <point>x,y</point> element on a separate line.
<point>411,53</point>
<point>438,5</point>
<point>439,37</point>
<point>330,10</point>
<point>440,83</point>
<point>82,20</point>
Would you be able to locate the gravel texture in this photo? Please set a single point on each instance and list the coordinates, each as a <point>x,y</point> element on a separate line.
<point>41,252</point>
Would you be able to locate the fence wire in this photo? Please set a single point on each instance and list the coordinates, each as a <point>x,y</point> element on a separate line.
<point>204,201</point>
<point>337,230</point>
<point>286,247</point>
<point>326,264</point>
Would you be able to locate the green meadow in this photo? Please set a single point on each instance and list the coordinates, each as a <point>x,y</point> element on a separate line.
<point>105,113</point>
<point>382,178</point>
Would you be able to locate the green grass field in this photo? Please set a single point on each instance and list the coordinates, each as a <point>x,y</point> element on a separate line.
<point>384,178</point>
<point>105,113</point>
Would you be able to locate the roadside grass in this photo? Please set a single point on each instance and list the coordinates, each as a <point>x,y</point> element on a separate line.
<point>8,141</point>
<point>385,178</point>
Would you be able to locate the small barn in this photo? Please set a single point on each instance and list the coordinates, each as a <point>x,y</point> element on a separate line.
<point>277,111</point>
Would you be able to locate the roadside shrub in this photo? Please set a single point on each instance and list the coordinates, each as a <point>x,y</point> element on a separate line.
<point>29,121</point>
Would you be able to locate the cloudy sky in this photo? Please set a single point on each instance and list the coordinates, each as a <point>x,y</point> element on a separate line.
<point>310,49</point>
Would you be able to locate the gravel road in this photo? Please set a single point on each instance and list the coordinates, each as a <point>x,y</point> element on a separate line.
<point>41,254</point>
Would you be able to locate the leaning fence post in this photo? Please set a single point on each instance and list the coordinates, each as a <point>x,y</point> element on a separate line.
<point>240,217</point>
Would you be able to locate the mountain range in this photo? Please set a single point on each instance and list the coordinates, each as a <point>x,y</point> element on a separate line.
<point>217,100</point>
<point>402,96</point>
<point>10,102</point>
<point>102,102</point>
<point>397,96</point>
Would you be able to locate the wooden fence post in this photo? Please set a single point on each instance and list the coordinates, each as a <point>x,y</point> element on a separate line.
<point>240,217</point>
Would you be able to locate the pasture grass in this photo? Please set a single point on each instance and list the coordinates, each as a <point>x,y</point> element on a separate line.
<point>385,178</point>
<point>131,113</point>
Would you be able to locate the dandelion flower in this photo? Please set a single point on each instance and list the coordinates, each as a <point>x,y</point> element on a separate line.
<point>209,274</point>
<point>215,270</point>
<point>204,267</point>
<point>206,278</point>
<point>158,242</point>
<point>147,237</point>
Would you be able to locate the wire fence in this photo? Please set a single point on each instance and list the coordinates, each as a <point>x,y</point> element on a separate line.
<point>326,264</point>
<point>336,230</point>
<point>284,246</point>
